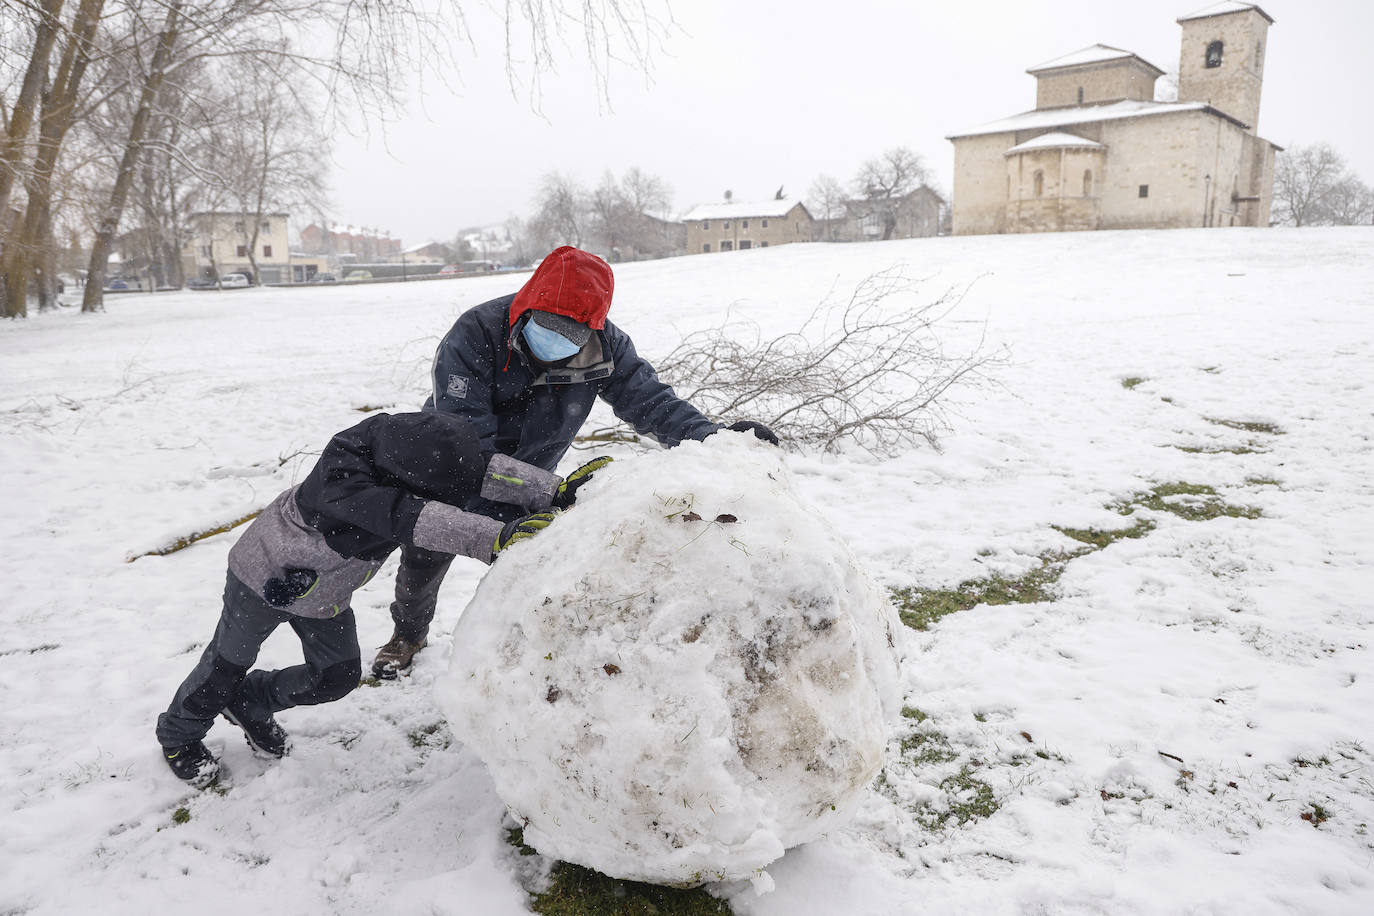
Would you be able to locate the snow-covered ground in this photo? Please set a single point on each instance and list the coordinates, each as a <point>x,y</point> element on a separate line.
<point>1186,727</point>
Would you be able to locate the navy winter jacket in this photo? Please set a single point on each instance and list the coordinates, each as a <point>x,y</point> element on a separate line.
<point>521,411</point>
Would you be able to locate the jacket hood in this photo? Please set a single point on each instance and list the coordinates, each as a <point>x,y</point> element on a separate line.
<point>568,282</point>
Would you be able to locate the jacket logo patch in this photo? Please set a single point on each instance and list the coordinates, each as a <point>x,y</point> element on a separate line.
<point>457,387</point>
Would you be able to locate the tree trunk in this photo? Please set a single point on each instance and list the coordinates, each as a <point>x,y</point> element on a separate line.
<point>21,120</point>
<point>58,113</point>
<point>93,298</point>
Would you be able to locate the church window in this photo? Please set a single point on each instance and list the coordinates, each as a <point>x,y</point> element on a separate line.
<point>1214,54</point>
<point>1087,182</point>
<point>1259,56</point>
<point>1080,95</point>
<point>1144,190</point>
<point>1039,183</point>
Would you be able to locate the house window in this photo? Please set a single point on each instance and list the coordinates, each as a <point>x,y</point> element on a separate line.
<point>238,227</point>
<point>266,226</point>
<point>706,248</point>
<point>205,251</point>
<point>1087,182</point>
<point>1214,54</point>
<point>267,251</point>
<point>1039,183</point>
<point>763,244</point>
<point>744,224</point>
<point>725,225</point>
<point>1080,95</point>
<point>243,251</point>
<point>765,224</point>
<point>706,224</point>
<point>727,246</point>
<point>745,245</point>
<point>1144,190</point>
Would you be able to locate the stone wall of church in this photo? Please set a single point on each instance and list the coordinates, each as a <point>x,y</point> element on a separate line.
<point>1108,82</point>
<point>980,183</point>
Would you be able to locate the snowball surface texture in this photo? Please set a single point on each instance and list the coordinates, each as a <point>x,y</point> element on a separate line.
<point>684,675</point>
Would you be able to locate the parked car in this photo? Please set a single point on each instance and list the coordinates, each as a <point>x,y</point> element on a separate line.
<point>119,283</point>
<point>234,281</point>
<point>359,275</point>
<point>201,283</point>
<point>325,278</point>
<point>450,269</point>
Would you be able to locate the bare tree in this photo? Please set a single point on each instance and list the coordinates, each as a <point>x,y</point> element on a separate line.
<point>1350,202</point>
<point>1304,177</point>
<point>895,173</point>
<point>561,210</point>
<point>870,371</point>
<point>826,201</point>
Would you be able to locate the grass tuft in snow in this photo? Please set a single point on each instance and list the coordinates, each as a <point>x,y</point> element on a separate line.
<point>577,891</point>
<point>1263,482</point>
<point>1191,502</point>
<point>1269,429</point>
<point>920,607</point>
<point>45,647</point>
<point>181,815</point>
<point>1131,381</point>
<point>1099,538</point>
<point>1250,448</point>
<point>969,798</point>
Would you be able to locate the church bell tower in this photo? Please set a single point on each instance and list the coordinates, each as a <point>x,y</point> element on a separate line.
<point>1221,58</point>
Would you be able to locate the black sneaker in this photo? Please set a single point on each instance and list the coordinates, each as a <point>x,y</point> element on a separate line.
<point>264,736</point>
<point>396,657</point>
<point>193,764</point>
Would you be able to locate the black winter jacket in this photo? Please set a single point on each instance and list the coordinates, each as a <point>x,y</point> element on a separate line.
<point>518,410</point>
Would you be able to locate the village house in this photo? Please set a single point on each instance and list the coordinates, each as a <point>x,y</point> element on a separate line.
<point>915,215</point>
<point>218,242</point>
<point>735,226</point>
<point>1098,152</point>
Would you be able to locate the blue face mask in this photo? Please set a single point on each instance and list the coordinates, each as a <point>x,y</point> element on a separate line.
<point>548,346</point>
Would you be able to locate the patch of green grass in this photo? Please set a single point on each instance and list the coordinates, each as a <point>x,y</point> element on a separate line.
<point>1269,429</point>
<point>1248,449</point>
<point>975,798</point>
<point>578,891</point>
<point>1191,502</point>
<point>1100,538</point>
<point>370,681</point>
<point>926,748</point>
<point>1212,370</point>
<point>436,734</point>
<point>1263,482</point>
<point>921,607</point>
<point>1131,381</point>
<point>181,816</point>
<point>911,712</point>
<point>1316,816</point>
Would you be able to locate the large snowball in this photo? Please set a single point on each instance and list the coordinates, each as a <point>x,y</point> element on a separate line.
<point>684,675</point>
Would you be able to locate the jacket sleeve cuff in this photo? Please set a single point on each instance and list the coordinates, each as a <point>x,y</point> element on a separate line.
<point>448,529</point>
<point>510,481</point>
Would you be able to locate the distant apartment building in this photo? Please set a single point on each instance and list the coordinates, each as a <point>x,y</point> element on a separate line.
<point>364,246</point>
<point>219,243</point>
<point>739,226</point>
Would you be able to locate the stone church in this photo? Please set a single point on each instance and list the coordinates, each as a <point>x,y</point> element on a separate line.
<point>1098,152</point>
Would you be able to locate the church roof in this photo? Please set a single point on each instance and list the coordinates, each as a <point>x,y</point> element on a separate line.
<point>1084,114</point>
<point>1055,140</point>
<point>1224,7</point>
<point>1092,54</point>
<point>741,209</point>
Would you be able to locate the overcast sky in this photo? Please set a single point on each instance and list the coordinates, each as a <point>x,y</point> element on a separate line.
<point>750,96</point>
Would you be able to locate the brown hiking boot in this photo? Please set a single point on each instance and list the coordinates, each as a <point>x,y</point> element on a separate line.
<point>395,657</point>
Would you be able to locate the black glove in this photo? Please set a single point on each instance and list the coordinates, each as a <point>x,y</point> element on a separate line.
<point>282,592</point>
<point>567,490</point>
<point>521,528</point>
<point>758,429</point>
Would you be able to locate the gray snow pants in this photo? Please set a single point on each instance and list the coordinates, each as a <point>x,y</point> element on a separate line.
<point>417,590</point>
<point>221,678</point>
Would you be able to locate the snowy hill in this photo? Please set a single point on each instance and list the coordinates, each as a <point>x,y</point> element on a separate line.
<point>1180,722</point>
